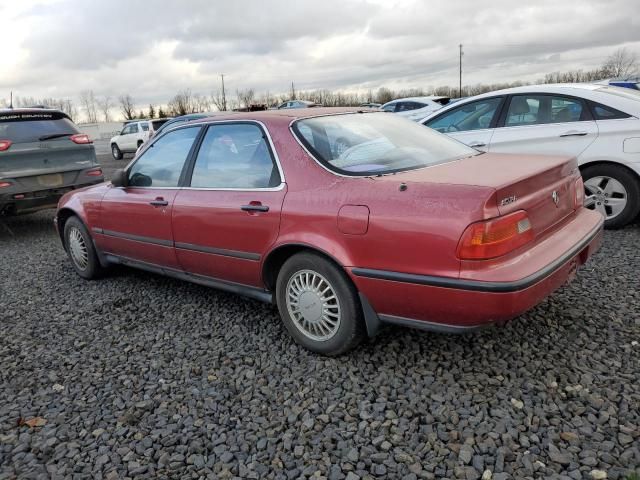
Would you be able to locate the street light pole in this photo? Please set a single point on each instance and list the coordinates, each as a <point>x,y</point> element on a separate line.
<point>224,98</point>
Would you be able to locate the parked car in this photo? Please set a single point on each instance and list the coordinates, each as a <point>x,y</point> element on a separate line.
<point>42,156</point>
<point>597,124</point>
<point>298,104</point>
<point>632,84</point>
<point>406,227</point>
<point>134,133</point>
<point>371,105</point>
<point>175,121</point>
<point>415,108</point>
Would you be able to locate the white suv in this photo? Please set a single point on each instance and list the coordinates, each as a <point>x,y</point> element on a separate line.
<point>134,134</point>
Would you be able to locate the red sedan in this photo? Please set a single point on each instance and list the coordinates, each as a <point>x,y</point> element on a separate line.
<point>346,220</point>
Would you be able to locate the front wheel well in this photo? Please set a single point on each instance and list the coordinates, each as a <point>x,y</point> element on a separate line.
<point>62,216</point>
<point>276,258</point>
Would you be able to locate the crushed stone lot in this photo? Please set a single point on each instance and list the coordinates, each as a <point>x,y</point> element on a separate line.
<point>142,376</point>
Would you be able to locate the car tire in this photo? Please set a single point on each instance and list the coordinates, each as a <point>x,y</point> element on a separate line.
<point>116,152</point>
<point>79,246</point>
<point>319,305</point>
<point>140,142</point>
<point>606,182</point>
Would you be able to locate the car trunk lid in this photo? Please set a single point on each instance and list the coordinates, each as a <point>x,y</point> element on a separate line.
<point>519,182</point>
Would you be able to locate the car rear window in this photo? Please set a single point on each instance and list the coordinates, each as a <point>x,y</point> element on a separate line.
<point>22,127</point>
<point>363,144</point>
<point>158,123</point>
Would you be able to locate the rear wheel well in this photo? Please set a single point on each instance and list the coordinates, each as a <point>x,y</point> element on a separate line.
<point>274,261</point>
<point>609,163</point>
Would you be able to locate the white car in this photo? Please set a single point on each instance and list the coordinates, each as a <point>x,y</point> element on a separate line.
<point>415,108</point>
<point>133,135</point>
<point>598,124</point>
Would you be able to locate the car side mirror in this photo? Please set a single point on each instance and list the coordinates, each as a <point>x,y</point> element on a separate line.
<point>119,178</point>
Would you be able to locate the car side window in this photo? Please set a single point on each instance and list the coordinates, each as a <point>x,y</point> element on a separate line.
<point>542,109</point>
<point>145,127</point>
<point>471,116</point>
<point>126,130</point>
<point>161,164</point>
<point>134,128</point>
<point>602,112</point>
<point>234,156</point>
<point>390,108</point>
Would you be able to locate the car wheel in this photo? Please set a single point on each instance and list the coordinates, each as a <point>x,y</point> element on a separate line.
<point>614,192</point>
<point>79,247</point>
<point>115,151</point>
<point>340,145</point>
<point>140,142</point>
<point>319,305</point>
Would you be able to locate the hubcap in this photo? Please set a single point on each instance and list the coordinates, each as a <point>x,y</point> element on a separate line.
<point>78,249</point>
<point>313,305</point>
<point>114,150</point>
<point>605,194</point>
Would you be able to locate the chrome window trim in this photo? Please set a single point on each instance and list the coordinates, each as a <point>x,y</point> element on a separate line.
<point>197,123</point>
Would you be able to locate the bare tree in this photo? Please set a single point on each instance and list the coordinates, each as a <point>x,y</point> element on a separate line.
<point>246,97</point>
<point>127,106</point>
<point>621,64</point>
<point>219,100</point>
<point>183,102</point>
<point>105,104</point>
<point>88,102</point>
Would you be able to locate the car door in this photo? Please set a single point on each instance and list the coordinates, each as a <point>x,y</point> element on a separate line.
<point>544,124</point>
<point>130,139</point>
<point>225,221</point>
<point>135,220</point>
<point>470,123</point>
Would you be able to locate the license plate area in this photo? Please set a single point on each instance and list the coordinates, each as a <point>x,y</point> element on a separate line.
<point>52,180</point>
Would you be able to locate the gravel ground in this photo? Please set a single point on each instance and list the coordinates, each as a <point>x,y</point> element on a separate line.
<point>140,376</point>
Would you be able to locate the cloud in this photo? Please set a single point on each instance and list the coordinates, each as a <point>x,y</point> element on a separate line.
<point>153,49</point>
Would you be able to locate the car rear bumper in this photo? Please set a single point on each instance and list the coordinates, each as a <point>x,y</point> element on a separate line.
<point>17,201</point>
<point>481,297</point>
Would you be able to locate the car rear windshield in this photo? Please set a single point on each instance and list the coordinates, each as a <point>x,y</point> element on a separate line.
<point>22,127</point>
<point>158,123</point>
<point>363,144</point>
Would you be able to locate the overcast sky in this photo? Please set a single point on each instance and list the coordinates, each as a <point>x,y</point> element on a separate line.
<point>152,49</point>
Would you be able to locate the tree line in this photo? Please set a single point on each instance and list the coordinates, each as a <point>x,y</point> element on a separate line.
<point>621,64</point>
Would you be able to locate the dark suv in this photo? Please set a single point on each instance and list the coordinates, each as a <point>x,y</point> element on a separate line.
<point>42,156</point>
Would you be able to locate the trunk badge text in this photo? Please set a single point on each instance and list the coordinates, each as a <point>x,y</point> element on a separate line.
<point>508,200</point>
<point>556,198</point>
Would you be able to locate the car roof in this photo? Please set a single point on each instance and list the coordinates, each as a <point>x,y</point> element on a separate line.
<point>294,113</point>
<point>418,99</point>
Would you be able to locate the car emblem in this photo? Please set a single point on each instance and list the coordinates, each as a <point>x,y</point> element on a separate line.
<point>555,197</point>
<point>508,200</point>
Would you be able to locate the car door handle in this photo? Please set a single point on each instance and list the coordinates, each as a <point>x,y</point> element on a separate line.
<point>255,208</point>
<point>477,144</point>
<point>573,133</point>
<point>159,202</point>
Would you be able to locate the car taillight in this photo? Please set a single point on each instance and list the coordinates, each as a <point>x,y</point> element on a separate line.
<point>4,145</point>
<point>495,237</point>
<point>81,138</point>
<point>579,193</point>
<point>4,184</point>
<point>95,173</point>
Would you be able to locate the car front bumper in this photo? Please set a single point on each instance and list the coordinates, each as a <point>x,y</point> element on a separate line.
<point>480,297</point>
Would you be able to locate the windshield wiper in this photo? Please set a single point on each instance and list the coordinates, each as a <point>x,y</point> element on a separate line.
<point>55,135</point>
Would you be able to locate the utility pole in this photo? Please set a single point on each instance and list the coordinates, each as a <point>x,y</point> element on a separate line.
<point>460,85</point>
<point>224,98</point>
<point>11,100</point>
<point>293,92</point>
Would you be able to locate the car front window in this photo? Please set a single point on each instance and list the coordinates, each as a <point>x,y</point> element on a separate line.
<point>161,164</point>
<point>471,116</point>
<point>363,144</point>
